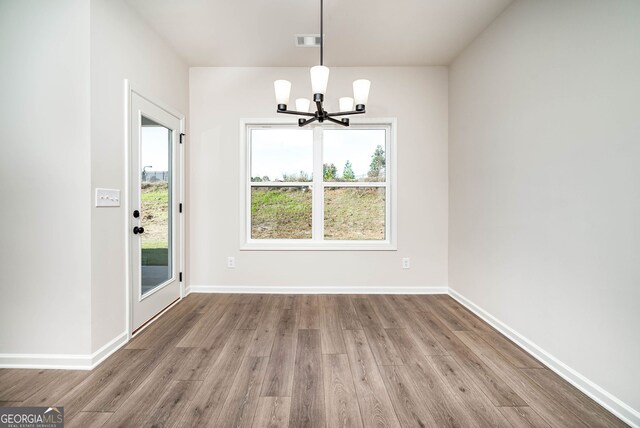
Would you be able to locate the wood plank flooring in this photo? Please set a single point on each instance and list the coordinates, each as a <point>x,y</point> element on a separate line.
<point>312,361</point>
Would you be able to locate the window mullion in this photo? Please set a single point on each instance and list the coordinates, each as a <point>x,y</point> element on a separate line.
<point>318,187</point>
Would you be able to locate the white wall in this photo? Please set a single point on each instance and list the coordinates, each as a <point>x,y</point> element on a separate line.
<point>63,260</point>
<point>544,177</point>
<point>44,170</point>
<point>122,47</point>
<point>220,97</point>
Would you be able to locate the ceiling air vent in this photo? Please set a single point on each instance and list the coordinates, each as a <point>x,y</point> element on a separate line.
<point>307,40</point>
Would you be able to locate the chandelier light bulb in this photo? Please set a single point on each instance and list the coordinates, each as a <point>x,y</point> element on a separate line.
<point>361,91</point>
<point>319,79</point>
<point>283,90</point>
<point>346,104</point>
<point>302,104</point>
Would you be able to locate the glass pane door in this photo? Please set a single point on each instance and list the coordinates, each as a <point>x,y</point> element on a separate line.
<point>155,204</point>
<point>154,200</point>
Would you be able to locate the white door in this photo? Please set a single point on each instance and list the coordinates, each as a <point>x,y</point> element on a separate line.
<point>155,205</point>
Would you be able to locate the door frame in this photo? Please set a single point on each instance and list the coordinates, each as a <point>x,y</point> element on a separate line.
<point>129,89</point>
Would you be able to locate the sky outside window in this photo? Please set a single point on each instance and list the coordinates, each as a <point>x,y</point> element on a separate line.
<point>279,152</point>
<point>155,148</point>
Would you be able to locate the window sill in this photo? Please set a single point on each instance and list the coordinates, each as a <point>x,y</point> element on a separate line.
<point>318,246</point>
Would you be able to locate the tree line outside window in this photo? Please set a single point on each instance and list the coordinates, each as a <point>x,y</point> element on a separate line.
<point>330,171</point>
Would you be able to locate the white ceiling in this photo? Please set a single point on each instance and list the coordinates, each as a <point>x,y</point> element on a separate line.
<point>358,32</point>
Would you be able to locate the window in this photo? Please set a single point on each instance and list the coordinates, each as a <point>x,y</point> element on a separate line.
<point>318,188</point>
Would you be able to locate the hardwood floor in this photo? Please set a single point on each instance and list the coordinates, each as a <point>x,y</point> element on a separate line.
<point>312,361</point>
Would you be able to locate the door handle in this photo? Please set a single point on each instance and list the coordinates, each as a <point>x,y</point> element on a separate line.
<point>137,230</point>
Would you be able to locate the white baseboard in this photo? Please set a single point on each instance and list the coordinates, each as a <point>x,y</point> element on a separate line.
<point>62,361</point>
<point>329,289</point>
<point>46,361</point>
<point>109,348</point>
<point>607,400</point>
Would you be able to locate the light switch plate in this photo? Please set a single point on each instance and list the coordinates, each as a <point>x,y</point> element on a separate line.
<point>107,197</point>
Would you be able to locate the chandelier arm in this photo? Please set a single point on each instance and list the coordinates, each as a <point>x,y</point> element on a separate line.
<point>346,113</point>
<point>339,122</point>
<point>297,113</point>
<point>302,122</point>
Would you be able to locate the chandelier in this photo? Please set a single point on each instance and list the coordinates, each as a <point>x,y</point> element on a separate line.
<point>319,81</point>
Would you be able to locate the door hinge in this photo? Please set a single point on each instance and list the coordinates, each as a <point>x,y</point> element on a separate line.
<point>182,138</point>
<point>180,276</point>
<point>180,207</point>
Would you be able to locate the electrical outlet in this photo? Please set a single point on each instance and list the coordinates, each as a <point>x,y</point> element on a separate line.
<point>406,263</point>
<point>231,262</point>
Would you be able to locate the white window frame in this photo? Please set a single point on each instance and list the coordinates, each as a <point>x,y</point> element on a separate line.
<point>317,241</point>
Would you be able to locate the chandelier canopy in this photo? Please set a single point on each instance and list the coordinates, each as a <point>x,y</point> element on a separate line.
<point>319,82</point>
